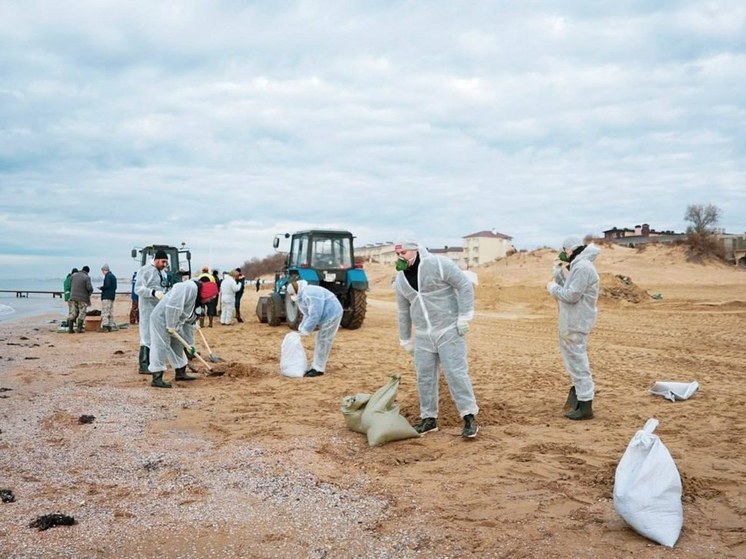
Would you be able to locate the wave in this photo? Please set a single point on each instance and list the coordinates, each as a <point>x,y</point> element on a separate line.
<point>5,310</point>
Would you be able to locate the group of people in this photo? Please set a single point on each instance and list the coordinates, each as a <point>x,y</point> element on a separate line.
<point>77,291</point>
<point>167,318</point>
<point>435,305</point>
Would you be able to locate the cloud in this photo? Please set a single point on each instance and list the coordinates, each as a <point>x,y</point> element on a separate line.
<point>220,124</point>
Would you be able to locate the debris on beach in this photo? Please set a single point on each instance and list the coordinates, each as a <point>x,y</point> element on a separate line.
<point>621,288</point>
<point>47,521</point>
<point>6,496</point>
<point>86,419</point>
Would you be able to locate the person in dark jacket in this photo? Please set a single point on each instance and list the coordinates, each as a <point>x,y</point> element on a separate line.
<point>80,296</point>
<point>241,281</point>
<point>108,293</point>
<point>212,306</point>
<point>66,289</point>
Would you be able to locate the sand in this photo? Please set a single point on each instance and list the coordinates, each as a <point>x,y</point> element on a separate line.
<point>247,463</point>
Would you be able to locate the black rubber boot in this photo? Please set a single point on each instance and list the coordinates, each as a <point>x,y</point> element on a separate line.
<point>81,326</point>
<point>181,374</point>
<point>572,400</point>
<point>158,381</point>
<point>144,360</point>
<point>71,326</point>
<point>583,411</point>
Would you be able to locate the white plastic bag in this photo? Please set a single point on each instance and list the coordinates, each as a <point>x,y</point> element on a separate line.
<point>647,488</point>
<point>293,361</point>
<point>675,390</point>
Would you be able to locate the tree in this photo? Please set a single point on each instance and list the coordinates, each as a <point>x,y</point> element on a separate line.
<point>703,218</point>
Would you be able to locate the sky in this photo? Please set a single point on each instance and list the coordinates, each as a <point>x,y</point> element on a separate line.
<point>220,124</point>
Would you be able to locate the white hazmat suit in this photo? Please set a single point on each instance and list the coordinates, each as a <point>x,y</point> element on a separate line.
<point>439,309</point>
<point>149,286</point>
<point>577,299</point>
<point>320,307</point>
<point>175,310</point>
<point>228,290</point>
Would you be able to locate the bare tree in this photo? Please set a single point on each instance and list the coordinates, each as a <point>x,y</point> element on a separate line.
<point>703,218</point>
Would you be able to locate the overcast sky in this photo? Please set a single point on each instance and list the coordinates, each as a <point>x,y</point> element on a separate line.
<point>222,123</point>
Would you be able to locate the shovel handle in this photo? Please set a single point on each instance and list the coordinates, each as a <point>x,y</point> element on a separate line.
<point>187,346</point>
<point>204,340</point>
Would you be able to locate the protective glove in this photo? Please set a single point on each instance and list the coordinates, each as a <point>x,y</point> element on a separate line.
<point>171,331</point>
<point>551,286</point>
<point>408,346</point>
<point>158,294</point>
<point>304,333</point>
<point>192,351</point>
<point>462,327</point>
<point>558,273</point>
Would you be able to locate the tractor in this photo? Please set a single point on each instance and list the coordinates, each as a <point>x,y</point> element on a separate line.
<point>321,257</point>
<point>179,262</point>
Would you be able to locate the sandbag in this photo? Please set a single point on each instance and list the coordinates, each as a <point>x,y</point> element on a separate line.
<point>377,415</point>
<point>293,361</point>
<point>675,390</point>
<point>647,488</point>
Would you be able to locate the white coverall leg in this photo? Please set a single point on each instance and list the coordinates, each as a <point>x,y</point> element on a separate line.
<point>574,349</point>
<point>450,352</point>
<point>164,347</point>
<point>324,340</point>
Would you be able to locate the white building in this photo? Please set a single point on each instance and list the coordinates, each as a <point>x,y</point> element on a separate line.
<point>486,246</point>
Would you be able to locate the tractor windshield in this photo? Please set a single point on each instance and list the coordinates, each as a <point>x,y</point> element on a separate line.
<point>331,252</point>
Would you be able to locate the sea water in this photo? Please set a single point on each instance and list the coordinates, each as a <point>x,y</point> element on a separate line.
<point>14,308</point>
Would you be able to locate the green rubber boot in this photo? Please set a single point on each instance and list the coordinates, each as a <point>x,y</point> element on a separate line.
<point>583,411</point>
<point>144,359</point>
<point>182,375</point>
<point>70,326</point>
<point>81,327</point>
<point>572,400</point>
<point>158,381</point>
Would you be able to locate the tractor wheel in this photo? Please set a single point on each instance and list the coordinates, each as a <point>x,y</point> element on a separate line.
<point>293,316</point>
<point>352,319</point>
<point>274,309</point>
<point>261,309</point>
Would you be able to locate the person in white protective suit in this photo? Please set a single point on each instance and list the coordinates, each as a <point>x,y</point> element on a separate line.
<point>435,296</point>
<point>173,317</point>
<point>150,283</point>
<point>228,290</point>
<point>320,307</point>
<point>577,295</point>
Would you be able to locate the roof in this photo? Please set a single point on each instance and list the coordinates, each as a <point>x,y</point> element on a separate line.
<point>489,234</point>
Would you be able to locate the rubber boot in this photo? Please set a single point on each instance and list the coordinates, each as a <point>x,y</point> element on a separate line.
<point>201,321</point>
<point>144,360</point>
<point>210,324</point>
<point>71,326</point>
<point>572,400</point>
<point>181,374</point>
<point>81,326</point>
<point>158,381</point>
<point>583,411</point>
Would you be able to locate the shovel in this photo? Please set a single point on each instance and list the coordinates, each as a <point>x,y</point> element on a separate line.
<point>212,357</point>
<point>187,346</point>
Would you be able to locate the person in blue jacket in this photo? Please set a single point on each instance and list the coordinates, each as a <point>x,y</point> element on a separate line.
<point>320,307</point>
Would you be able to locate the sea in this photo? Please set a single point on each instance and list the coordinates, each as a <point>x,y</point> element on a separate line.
<point>15,308</point>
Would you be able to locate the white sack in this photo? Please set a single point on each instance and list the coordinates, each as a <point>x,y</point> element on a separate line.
<point>647,488</point>
<point>675,390</point>
<point>293,361</point>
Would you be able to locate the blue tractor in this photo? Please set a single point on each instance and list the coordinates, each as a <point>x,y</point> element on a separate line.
<point>321,257</point>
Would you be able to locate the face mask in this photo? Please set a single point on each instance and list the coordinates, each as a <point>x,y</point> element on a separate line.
<point>563,256</point>
<point>401,264</point>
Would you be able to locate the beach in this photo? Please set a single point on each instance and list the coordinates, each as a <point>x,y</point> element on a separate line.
<point>244,462</point>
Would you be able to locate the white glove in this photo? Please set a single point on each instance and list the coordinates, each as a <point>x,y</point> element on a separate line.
<point>304,333</point>
<point>550,287</point>
<point>462,327</point>
<point>558,274</point>
<point>158,294</point>
<point>408,346</point>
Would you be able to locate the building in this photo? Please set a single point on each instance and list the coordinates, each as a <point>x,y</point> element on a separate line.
<point>641,234</point>
<point>479,248</point>
<point>486,246</point>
